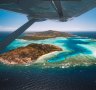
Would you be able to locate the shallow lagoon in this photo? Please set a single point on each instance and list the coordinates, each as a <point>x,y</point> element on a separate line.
<point>71,46</point>
<point>37,78</point>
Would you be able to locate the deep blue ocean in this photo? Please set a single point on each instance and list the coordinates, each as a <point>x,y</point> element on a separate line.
<point>37,78</point>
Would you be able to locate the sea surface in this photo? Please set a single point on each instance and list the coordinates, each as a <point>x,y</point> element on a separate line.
<point>37,78</point>
<point>90,34</point>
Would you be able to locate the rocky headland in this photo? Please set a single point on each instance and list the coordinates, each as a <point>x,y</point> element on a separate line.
<point>28,54</point>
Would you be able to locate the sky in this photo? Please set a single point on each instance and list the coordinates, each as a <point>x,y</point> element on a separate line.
<point>10,21</point>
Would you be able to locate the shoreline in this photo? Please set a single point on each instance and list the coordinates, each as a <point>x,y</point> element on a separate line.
<point>70,62</point>
<point>44,57</point>
<point>41,62</point>
<point>28,54</point>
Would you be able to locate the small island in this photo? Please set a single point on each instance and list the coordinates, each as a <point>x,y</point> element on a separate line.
<point>28,54</point>
<point>45,35</point>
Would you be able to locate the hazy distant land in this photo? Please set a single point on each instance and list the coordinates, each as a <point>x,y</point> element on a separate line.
<point>45,35</point>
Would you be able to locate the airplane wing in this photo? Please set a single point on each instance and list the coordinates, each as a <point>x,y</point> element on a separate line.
<point>11,5</point>
<point>37,10</point>
<point>52,9</point>
<point>77,8</point>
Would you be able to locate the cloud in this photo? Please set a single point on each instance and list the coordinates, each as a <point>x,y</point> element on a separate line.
<point>54,25</point>
<point>7,28</point>
<point>61,26</point>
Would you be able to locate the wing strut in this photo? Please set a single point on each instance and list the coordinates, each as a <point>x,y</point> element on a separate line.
<point>11,37</point>
<point>58,7</point>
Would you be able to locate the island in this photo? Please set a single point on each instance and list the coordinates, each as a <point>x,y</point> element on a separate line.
<point>27,54</point>
<point>45,35</point>
<point>51,49</point>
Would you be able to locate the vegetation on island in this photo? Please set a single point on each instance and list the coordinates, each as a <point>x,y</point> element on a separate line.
<point>45,35</point>
<point>28,54</point>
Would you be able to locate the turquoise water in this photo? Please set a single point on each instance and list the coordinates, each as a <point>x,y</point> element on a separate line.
<point>71,46</point>
<point>37,78</point>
